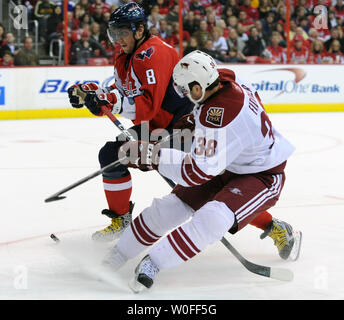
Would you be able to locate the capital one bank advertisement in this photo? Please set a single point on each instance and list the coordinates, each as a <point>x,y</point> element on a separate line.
<point>295,84</point>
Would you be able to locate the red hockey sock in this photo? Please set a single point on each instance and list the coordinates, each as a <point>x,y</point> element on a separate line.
<point>262,221</point>
<point>118,194</point>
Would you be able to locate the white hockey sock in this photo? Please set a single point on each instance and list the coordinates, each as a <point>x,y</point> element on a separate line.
<point>208,225</point>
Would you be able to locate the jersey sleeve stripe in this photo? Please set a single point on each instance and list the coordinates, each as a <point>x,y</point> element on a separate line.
<point>192,174</point>
<point>185,176</point>
<point>199,171</point>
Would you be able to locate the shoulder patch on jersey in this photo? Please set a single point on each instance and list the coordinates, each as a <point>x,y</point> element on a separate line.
<point>215,116</point>
<point>144,53</point>
<point>223,107</point>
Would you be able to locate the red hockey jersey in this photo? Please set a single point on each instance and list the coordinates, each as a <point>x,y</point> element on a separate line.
<point>144,78</point>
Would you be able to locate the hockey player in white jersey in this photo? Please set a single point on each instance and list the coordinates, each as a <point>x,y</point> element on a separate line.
<point>235,171</point>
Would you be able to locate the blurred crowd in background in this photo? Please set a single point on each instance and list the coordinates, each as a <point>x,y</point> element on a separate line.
<point>232,31</point>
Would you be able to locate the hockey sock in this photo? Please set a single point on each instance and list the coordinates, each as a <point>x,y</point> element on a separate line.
<point>118,192</point>
<point>262,221</point>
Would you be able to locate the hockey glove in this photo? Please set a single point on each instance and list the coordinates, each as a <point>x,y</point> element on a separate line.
<point>186,126</point>
<point>77,93</point>
<point>140,154</point>
<point>111,100</point>
<point>187,121</point>
<point>76,96</point>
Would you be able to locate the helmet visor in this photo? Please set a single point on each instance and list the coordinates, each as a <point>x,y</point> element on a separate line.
<point>115,34</point>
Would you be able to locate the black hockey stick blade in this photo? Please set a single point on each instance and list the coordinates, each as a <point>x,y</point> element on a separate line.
<point>54,198</point>
<point>269,272</point>
<point>57,196</point>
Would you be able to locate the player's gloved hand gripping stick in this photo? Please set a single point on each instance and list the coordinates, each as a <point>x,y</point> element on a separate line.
<point>87,93</point>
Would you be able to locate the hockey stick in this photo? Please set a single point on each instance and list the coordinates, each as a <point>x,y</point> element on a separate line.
<point>270,272</point>
<point>57,196</point>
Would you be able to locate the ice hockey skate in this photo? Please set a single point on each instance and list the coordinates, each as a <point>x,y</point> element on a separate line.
<point>117,226</point>
<point>287,240</point>
<point>145,274</point>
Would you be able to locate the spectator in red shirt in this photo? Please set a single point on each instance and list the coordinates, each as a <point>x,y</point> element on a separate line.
<point>103,5</point>
<point>173,40</point>
<point>251,12</point>
<point>7,60</point>
<point>217,8</point>
<point>299,53</point>
<point>275,52</point>
<point>73,24</point>
<point>109,49</point>
<point>163,7</point>
<point>245,21</point>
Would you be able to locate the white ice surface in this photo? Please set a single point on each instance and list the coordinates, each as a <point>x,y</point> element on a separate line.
<point>40,157</point>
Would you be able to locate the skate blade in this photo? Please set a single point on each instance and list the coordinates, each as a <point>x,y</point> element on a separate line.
<point>136,286</point>
<point>295,251</point>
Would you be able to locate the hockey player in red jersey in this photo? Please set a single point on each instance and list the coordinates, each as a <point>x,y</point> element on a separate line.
<point>143,92</point>
<point>235,171</point>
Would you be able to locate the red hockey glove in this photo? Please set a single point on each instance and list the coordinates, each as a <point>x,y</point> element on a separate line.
<point>93,97</point>
<point>186,125</point>
<point>111,100</point>
<point>187,121</point>
<point>140,154</point>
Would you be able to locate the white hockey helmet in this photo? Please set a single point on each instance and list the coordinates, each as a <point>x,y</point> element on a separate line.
<point>197,66</point>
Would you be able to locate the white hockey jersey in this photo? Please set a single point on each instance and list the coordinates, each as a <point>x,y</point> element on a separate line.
<point>233,132</point>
